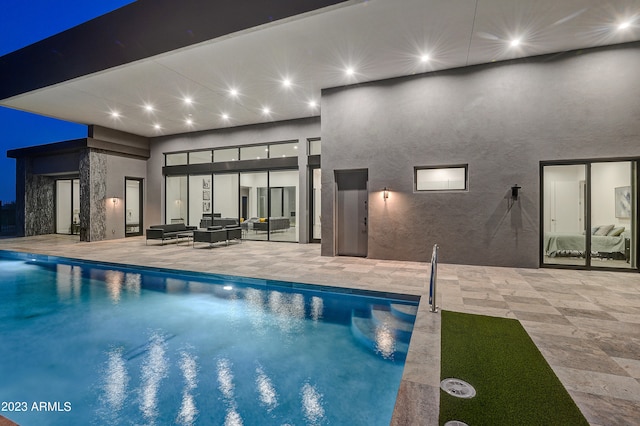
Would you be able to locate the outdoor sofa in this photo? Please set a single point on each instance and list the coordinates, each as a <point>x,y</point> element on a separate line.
<point>216,234</point>
<point>169,231</point>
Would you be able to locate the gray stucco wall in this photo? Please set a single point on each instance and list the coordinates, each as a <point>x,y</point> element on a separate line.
<point>299,130</point>
<point>500,119</point>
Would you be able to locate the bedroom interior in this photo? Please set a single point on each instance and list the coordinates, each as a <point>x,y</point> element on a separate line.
<point>593,196</point>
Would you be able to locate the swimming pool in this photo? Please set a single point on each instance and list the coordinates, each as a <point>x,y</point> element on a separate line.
<point>105,344</point>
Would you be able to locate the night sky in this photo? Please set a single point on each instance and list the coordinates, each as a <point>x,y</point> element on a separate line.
<point>21,24</point>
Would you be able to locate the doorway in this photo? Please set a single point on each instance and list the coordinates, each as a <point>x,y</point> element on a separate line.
<point>352,196</point>
<point>133,207</point>
<point>589,214</point>
<point>68,206</point>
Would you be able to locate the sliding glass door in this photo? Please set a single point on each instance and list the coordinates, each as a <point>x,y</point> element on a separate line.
<point>68,206</point>
<point>589,214</point>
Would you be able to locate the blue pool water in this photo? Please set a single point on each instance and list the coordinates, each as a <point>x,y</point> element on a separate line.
<point>85,343</point>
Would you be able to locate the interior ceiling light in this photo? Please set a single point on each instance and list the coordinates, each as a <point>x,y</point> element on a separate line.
<point>148,107</point>
<point>266,111</point>
<point>286,82</point>
<point>350,71</point>
<point>515,42</point>
<point>188,100</point>
<point>424,58</point>
<point>624,25</point>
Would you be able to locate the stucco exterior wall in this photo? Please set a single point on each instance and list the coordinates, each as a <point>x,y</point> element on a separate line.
<point>500,119</point>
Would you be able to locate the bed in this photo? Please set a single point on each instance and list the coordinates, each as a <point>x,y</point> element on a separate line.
<point>612,245</point>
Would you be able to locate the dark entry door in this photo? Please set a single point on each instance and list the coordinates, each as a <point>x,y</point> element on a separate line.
<point>351,209</point>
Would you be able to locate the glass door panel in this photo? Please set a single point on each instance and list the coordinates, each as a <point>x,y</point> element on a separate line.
<point>564,215</point>
<point>612,215</point>
<point>254,204</point>
<point>133,207</point>
<point>200,200</point>
<point>63,207</point>
<point>176,199</point>
<point>283,191</point>
<point>75,207</point>
<point>316,185</point>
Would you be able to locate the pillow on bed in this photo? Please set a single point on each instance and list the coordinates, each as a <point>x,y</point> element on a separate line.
<point>616,232</point>
<point>603,230</point>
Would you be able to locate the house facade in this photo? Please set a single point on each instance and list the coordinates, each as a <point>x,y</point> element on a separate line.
<point>524,162</point>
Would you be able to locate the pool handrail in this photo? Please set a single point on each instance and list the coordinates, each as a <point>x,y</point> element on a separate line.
<point>433,279</point>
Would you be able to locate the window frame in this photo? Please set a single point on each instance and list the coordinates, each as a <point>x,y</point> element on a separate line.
<point>417,169</point>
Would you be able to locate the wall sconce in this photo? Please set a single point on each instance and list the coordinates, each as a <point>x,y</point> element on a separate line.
<point>114,200</point>
<point>514,192</point>
<point>385,194</point>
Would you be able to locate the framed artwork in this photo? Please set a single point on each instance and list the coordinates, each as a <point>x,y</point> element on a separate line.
<point>206,206</point>
<point>206,183</point>
<point>623,202</point>
<point>206,195</point>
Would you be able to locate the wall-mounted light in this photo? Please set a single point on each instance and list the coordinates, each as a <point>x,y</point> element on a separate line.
<point>385,194</point>
<point>514,192</point>
<point>114,200</point>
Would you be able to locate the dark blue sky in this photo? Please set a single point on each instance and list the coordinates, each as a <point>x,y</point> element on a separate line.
<point>21,24</point>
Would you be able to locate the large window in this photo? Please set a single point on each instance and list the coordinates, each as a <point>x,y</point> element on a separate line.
<point>450,178</point>
<point>200,198</point>
<point>254,205</point>
<point>589,214</point>
<point>176,199</point>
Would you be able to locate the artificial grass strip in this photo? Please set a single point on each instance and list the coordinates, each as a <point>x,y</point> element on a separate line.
<point>514,383</point>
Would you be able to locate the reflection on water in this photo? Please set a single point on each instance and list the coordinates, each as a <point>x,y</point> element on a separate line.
<point>154,369</point>
<point>385,342</point>
<point>226,386</point>
<point>317,308</point>
<point>114,388</point>
<point>189,368</point>
<point>312,404</point>
<point>268,394</point>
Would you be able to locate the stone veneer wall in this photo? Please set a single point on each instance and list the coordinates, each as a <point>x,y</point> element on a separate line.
<point>38,202</point>
<point>93,177</point>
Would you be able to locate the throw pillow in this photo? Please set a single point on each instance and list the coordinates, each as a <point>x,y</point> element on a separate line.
<point>604,230</point>
<point>616,232</point>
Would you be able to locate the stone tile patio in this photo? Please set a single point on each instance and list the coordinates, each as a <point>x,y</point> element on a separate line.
<point>585,323</point>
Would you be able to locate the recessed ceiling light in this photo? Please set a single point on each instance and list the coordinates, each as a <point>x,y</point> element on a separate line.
<point>157,126</point>
<point>225,116</point>
<point>188,121</point>
<point>312,104</point>
<point>624,25</point>
<point>515,42</point>
<point>286,82</point>
<point>148,107</point>
<point>187,100</point>
<point>266,111</point>
<point>115,114</point>
<point>233,92</point>
<point>350,71</point>
<point>424,58</point>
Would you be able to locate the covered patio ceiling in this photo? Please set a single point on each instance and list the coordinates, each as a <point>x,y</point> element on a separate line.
<point>276,71</point>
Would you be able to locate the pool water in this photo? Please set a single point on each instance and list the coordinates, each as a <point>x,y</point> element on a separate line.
<point>86,343</point>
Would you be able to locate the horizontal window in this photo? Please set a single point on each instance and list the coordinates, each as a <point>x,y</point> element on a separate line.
<point>222,155</point>
<point>176,159</point>
<point>199,157</point>
<point>447,178</point>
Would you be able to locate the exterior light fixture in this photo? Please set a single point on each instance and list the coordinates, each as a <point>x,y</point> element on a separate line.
<point>385,194</point>
<point>424,58</point>
<point>349,71</point>
<point>514,192</point>
<point>624,25</point>
<point>515,42</point>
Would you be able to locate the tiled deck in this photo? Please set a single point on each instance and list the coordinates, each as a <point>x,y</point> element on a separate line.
<point>586,324</point>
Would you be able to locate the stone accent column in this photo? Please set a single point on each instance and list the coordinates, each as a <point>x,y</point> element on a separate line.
<point>93,174</point>
<point>35,204</point>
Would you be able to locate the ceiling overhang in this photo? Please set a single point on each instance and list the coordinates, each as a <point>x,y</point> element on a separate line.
<point>132,69</point>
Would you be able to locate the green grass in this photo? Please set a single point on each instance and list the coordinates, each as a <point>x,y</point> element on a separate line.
<point>514,383</point>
